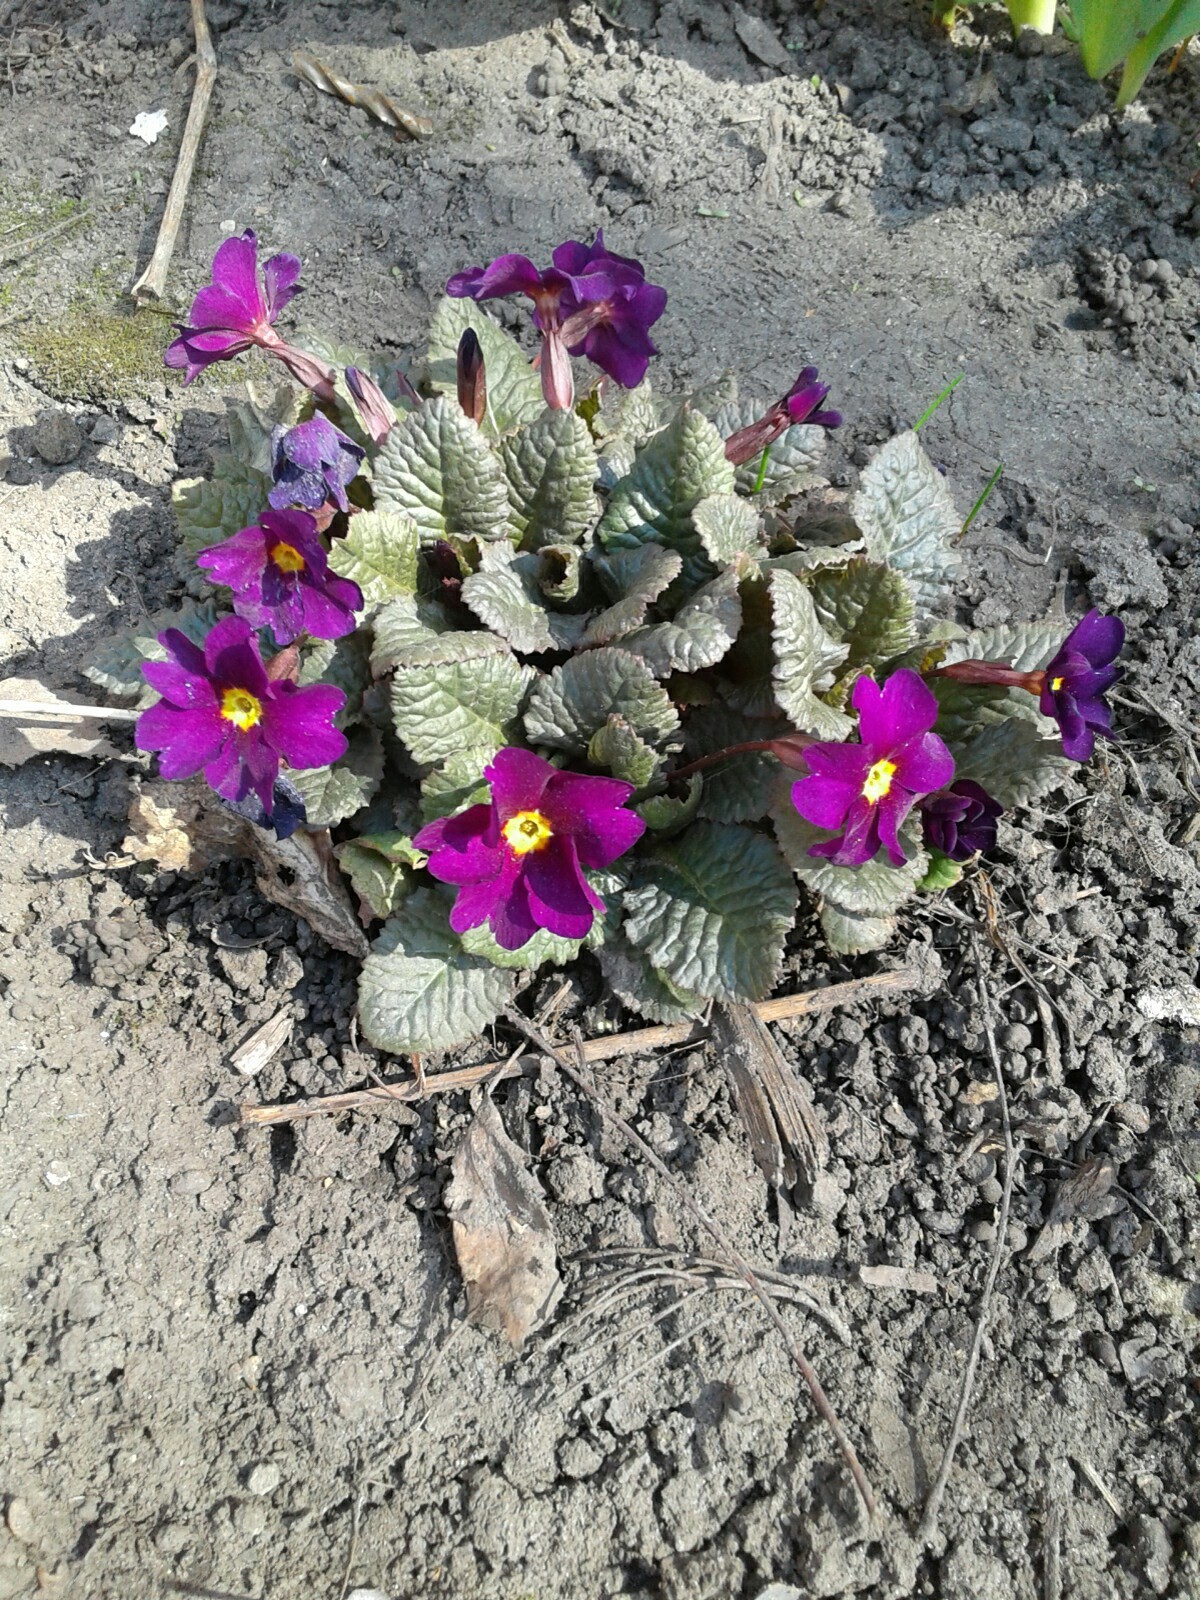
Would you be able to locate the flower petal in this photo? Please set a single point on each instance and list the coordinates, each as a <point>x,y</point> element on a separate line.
<point>891,715</point>
<point>559,896</point>
<point>824,801</point>
<point>892,810</point>
<point>280,275</point>
<point>923,764</point>
<point>1097,637</point>
<point>187,690</point>
<point>298,723</point>
<point>518,779</point>
<point>237,562</point>
<point>232,659</point>
<point>235,270</point>
<point>185,740</point>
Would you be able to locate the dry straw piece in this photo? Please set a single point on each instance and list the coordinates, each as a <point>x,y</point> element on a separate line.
<point>373,101</point>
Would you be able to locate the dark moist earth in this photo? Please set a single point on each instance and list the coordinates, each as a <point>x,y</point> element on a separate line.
<point>238,1359</point>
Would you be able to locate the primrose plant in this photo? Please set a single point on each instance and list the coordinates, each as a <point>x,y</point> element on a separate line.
<point>575,669</point>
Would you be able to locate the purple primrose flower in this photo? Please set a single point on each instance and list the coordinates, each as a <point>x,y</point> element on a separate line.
<point>590,302</point>
<point>312,462</point>
<point>798,405</point>
<point>866,790</point>
<point>280,577</point>
<point>237,310</point>
<point>221,712</point>
<point>517,861</point>
<point>1074,682</point>
<point>961,821</point>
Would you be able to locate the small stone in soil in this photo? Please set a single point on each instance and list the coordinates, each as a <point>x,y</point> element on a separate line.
<point>264,1478</point>
<point>57,438</point>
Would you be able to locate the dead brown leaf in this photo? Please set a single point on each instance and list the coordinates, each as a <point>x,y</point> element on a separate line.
<point>1084,1195</point>
<point>502,1234</point>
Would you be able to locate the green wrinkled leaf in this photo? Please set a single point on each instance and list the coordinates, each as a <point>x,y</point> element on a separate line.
<point>575,701</point>
<point>942,873</point>
<point>867,606</point>
<point>635,578</point>
<point>346,664</point>
<point>711,910</point>
<point>676,470</point>
<point>668,813</point>
<point>504,595</point>
<point>210,510</point>
<point>456,784</point>
<point>436,467</point>
<point>640,986</point>
<point>534,953</point>
<point>851,933</point>
<point>116,664</point>
<point>440,707</point>
<point>700,633</point>
<point>791,460</point>
<point>331,794</point>
<point>874,889</point>
<point>632,415</point>
<point>419,990</point>
<point>379,554</point>
<point>1013,762</point>
<point>909,522</point>
<point>378,866</point>
<point>1027,646</point>
<point>412,629</point>
<point>726,525</point>
<point>551,471</point>
<point>740,789</point>
<point>805,660</point>
<point>623,752</point>
<point>514,392</point>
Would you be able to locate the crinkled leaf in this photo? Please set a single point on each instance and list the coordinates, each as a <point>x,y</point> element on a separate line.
<point>805,659</point>
<point>941,873</point>
<point>700,633</point>
<point>574,702</point>
<point>419,990</point>
<point>1027,646</point>
<point>851,933</point>
<point>623,752</point>
<point>436,467</point>
<point>456,784</point>
<point>639,985</point>
<point>667,813</point>
<point>1013,762</point>
<point>635,578</point>
<point>209,510</point>
<point>738,790</point>
<point>379,554</point>
<point>412,629</point>
<point>811,558</point>
<point>791,460</point>
<point>711,910</point>
<point>873,889</point>
<point>379,868</point>
<point>909,522</point>
<point>116,664</point>
<point>331,794</point>
<point>680,467</point>
<point>440,707</point>
<point>514,394</point>
<point>504,595</point>
<point>633,415</point>
<point>551,470</point>
<point>534,953</point>
<point>726,525</point>
<point>345,663</point>
<point>867,606</point>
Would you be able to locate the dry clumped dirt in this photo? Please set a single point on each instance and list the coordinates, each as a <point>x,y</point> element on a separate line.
<point>237,1359</point>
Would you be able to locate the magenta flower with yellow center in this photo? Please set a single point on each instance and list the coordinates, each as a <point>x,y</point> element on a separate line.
<point>866,790</point>
<point>518,860</point>
<point>280,578</point>
<point>220,713</point>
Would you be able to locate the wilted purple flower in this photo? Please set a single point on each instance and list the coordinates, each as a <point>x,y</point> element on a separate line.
<point>798,405</point>
<point>237,310</point>
<point>221,712</point>
<point>287,808</point>
<point>866,790</point>
<point>1075,681</point>
<point>280,577</point>
<point>960,821</point>
<point>517,861</point>
<point>590,302</point>
<point>374,410</point>
<point>312,462</point>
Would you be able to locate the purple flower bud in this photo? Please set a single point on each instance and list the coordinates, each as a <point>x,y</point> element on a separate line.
<point>960,821</point>
<point>312,462</point>
<point>472,379</point>
<point>375,411</point>
<point>866,790</point>
<point>798,405</point>
<point>518,860</point>
<point>1075,681</point>
<point>220,713</point>
<point>280,578</point>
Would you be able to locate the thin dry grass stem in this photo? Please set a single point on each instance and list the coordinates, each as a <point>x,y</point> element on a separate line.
<point>653,1359</point>
<point>734,1259</point>
<point>927,1530</point>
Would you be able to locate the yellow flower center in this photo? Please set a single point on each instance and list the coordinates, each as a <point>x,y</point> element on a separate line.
<point>879,781</point>
<point>527,831</point>
<point>241,708</point>
<point>286,558</point>
<point>1055,685</point>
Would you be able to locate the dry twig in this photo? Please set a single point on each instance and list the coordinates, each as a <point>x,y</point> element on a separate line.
<point>933,1505</point>
<point>152,282</point>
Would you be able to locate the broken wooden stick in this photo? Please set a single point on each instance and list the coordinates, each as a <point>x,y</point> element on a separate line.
<point>640,1041</point>
<point>27,709</point>
<point>152,282</point>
